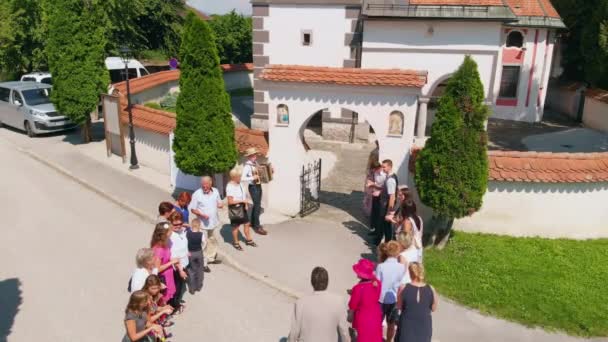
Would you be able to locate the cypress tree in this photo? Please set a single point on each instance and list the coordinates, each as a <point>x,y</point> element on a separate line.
<point>452,169</point>
<point>75,49</point>
<point>204,136</point>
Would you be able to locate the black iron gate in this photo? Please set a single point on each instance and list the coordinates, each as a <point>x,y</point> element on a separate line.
<point>310,188</point>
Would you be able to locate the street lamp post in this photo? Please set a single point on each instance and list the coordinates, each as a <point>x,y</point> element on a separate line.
<point>125,56</point>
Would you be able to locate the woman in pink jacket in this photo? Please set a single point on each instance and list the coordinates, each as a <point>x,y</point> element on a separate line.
<point>363,305</point>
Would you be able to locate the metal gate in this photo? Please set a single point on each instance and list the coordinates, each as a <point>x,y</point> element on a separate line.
<point>310,188</point>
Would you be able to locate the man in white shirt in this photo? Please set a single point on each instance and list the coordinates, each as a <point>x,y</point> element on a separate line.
<point>252,180</point>
<point>387,202</point>
<point>179,249</point>
<point>205,204</point>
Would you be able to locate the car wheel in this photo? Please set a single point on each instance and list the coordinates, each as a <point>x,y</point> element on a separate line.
<point>29,130</point>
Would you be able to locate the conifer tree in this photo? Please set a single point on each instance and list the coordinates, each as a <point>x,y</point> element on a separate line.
<point>204,136</point>
<point>75,48</point>
<point>452,169</point>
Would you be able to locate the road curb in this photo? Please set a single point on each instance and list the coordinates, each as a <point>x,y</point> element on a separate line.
<point>226,258</point>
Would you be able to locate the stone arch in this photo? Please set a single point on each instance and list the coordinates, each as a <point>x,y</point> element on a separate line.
<point>438,82</point>
<point>288,154</point>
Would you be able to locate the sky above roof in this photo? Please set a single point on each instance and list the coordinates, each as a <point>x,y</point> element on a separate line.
<point>221,6</point>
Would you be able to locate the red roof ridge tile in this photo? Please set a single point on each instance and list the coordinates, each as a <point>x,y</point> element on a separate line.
<point>344,76</point>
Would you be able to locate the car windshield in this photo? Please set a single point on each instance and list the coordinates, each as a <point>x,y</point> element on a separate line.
<point>47,80</point>
<point>34,97</point>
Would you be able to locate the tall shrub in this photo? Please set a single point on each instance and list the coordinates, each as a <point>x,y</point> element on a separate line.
<point>204,136</point>
<point>452,169</point>
<point>75,49</point>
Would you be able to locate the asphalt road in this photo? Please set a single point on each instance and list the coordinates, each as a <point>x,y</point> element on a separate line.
<point>66,256</point>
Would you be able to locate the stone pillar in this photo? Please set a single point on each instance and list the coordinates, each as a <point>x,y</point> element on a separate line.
<point>422,114</point>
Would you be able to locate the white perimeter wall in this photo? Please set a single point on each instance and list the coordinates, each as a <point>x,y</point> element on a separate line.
<point>570,210</point>
<point>408,45</point>
<point>287,152</point>
<point>328,25</point>
<point>595,115</point>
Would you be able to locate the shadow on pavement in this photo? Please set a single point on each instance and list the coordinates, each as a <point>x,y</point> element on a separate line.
<point>10,300</point>
<point>74,136</point>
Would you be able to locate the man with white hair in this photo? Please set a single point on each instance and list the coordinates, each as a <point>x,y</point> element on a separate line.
<point>205,204</point>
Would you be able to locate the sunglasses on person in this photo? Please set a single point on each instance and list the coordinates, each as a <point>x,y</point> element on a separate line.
<point>178,224</point>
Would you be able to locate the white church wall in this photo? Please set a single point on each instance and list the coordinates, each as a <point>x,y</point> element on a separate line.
<point>327,24</point>
<point>438,47</point>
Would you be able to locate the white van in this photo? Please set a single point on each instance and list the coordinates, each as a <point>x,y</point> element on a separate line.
<point>116,67</point>
<point>40,77</point>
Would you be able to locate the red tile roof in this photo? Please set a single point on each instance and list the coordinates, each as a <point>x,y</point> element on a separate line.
<point>150,119</point>
<point>533,8</point>
<point>150,81</point>
<point>597,94</point>
<point>542,167</point>
<point>246,138</point>
<point>546,167</point>
<point>458,2</point>
<point>344,76</point>
<point>237,67</point>
<point>144,83</point>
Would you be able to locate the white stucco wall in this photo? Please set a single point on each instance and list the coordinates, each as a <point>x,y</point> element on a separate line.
<point>409,45</point>
<point>564,101</point>
<point>595,115</point>
<point>532,112</point>
<point>152,149</point>
<point>567,210</point>
<point>374,104</point>
<point>238,80</point>
<point>328,25</point>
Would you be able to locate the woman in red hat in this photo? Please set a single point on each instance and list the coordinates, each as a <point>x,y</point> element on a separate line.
<point>364,310</point>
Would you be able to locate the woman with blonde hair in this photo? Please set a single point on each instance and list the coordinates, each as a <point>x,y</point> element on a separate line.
<point>137,326</point>
<point>409,253</point>
<point>417,300</point>
<point>238,206</point>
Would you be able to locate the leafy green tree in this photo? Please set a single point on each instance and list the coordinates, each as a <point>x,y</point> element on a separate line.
<point>204,136</point>
<point>452,169</point>
<point>233,37</point>
<point>22,36</point>
<point>75,49</point>
<point>585,48</point>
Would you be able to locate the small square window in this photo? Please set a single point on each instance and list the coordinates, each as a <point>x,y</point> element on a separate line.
<point>307,38</point>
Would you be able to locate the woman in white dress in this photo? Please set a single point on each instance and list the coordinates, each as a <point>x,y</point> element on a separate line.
<point>412,223</point>
<point>409,253</point>
<point>237,202</point>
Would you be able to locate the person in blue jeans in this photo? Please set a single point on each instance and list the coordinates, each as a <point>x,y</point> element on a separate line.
<point>252,180</point>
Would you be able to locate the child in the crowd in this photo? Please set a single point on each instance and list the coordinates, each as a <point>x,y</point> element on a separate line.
<point>196,267</point>
<point>159,310</point>
<point>137,325</point>
<point>390,273</point>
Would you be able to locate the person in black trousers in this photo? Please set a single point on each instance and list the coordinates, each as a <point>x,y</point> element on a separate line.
<point>252,179</point>
<point>387,203</point>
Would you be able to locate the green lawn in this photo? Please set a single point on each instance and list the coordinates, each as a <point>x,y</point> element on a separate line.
<point>554,284</point>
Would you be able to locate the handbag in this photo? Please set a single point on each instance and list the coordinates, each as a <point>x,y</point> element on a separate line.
<point>237,212</point>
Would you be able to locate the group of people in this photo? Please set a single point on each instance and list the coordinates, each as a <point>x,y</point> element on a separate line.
<point>182,248</point>
<point>393,292</point>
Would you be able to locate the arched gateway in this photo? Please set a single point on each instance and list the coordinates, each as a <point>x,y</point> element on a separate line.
<point>387,99</point>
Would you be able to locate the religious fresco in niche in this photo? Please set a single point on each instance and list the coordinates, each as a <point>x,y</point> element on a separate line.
<point>282,114</point>
<point>395,124</point>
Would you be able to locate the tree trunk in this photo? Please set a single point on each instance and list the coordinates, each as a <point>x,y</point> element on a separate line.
<point>444,235</point>
<point>85,131</point>
<point>441,228</point>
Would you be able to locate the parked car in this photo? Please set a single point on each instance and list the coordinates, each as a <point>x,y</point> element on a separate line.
<point>116,67</point>
<point>27,106</point>
<point>40,77</point>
